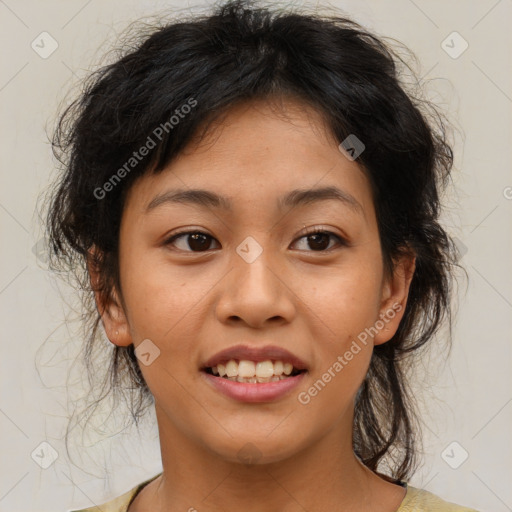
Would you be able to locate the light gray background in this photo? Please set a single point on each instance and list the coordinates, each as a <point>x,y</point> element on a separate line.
<point>469,400</point>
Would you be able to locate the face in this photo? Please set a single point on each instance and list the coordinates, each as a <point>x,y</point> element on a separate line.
<point>254,275</point>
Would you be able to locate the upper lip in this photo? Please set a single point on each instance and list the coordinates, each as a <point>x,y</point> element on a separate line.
<point>269,352</point>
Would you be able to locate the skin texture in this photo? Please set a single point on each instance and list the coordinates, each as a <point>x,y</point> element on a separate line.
<point>311,302</point>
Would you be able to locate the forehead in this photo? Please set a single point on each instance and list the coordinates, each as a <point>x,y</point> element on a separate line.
<point>275,129</point>
<point>257,152</point>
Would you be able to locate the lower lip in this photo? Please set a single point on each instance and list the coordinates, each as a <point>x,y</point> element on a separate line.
<point>254,392</point>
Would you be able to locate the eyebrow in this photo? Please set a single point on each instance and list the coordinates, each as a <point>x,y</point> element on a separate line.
<point>297,197</point>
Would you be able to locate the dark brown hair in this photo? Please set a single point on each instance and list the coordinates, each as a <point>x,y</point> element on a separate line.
<point>242,52</point>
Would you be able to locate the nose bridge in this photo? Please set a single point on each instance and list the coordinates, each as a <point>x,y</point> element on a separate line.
<point>255,291</point>
<point>254,269</point>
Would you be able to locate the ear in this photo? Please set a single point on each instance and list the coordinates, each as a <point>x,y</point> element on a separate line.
<point>109,305</point>
<point>395,290</point>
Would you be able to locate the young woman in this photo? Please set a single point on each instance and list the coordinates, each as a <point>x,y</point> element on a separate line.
<point>254,200</point>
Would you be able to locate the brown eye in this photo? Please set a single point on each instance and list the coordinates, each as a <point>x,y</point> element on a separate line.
<point>319,241</point>
<point>191,241</point>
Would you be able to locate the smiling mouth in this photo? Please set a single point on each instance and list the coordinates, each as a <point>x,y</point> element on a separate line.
<point>253,372</point>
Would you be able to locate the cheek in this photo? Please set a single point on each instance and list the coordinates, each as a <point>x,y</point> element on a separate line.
<point>167,306</point>
<point>348,307</point>
<point>164,308</point>
<point>328,395</point>
<point>349,298</point>
<point>158,296</point>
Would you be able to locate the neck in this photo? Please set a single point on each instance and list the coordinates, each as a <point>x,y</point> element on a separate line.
<point>195,478</point>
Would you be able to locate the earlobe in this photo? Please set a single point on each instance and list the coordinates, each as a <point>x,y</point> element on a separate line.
<point>395,293</point>
<point>109,305</point>
<point>115,322</point>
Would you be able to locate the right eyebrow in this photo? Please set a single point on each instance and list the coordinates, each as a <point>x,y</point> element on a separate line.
<point>192,196</point>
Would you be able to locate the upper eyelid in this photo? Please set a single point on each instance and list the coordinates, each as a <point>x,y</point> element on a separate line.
<point>310,231</point>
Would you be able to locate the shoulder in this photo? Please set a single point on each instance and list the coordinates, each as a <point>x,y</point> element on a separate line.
<point>121,503</point>
<point>419,500</point>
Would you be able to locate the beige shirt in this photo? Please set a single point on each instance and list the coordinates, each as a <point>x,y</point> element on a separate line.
<point>415,500</point>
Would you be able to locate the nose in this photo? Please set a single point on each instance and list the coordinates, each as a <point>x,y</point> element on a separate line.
<point>255,294</point>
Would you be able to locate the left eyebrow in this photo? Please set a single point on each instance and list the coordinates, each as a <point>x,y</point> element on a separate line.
<point>300,197</point>
<point>297,197</point>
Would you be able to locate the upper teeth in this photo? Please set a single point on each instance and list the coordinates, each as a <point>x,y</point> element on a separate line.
<point>248,369</point>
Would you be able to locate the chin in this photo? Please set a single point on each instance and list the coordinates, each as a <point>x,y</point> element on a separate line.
<point>255,450</point>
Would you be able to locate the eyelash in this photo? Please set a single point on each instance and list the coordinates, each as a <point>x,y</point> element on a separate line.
<point>312,231</point>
